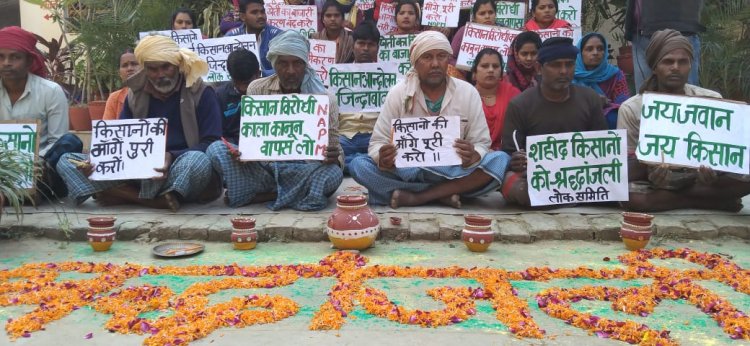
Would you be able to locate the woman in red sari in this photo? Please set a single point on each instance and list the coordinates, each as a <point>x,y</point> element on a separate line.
<point>487,76</point>
<point>543,14</point>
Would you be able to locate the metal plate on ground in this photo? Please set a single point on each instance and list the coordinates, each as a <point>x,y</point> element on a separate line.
<point>177,249</point>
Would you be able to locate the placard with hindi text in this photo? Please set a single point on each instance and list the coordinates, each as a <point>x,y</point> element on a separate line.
<point>441,13</point>
<point>22,138</point>
<point>284,127</point>
<point>301,18</point>
<point>362,87</point>
<point>215,52</point>
<point>570,11</point>
<point>477,37</point>
<point>694,131</point>
<point>128,148</point>
<point>183,38</point>
<point>577,167</point>
<point>387,18</point>
<point>426,141</point>
<point>395,48</point>
<point>322,55</point>
<point>510,14</point>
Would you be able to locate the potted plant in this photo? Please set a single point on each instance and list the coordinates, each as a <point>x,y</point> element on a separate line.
<point>12,166</point>
<point>611,14</point>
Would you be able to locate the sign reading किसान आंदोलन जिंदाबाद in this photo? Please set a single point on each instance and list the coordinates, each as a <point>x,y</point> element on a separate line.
<point>215,52</point>
<point>362,87</point>
<point>184,38</point>
<point>426,141</point>
<point>478,37</point>
<point>284,127</point>
<point>510,14</point>
<point>577,167</point>
<point>22,138</point>
<point>300,18</point>
<point>322,55</point>
<point>395,48</point>
<point>694,131</point>
<point>441,13</point>
<point>128,148</point>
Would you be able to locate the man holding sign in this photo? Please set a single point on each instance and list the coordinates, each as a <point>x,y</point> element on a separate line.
<point>169,86</point>
<point>301,185</point>
<point>428,91</point>
<point>661,187</point>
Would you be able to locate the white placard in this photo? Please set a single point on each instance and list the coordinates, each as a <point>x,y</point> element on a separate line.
<point>22,138</point>
<point>441,13</point>
<point>322,55</point>
<point>695,131</point>
<point>426,141</point>
<point>387,18</point>
<point>215,52</point>
<point>467,4</point>
<point>284,127</point>
<point>364,5</point>
<point>478,37</point>
<point>577,167</point>
<point>574,33</point>
<point>570,11</point>
<point>395,48</point>
<point>362,87</point>
<point>127,149</point>
<point>510,14</point>
<point>301,18</point>
<point>183,38</point>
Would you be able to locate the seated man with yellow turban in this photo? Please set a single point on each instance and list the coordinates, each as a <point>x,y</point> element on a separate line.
<point>657,188</point>
<point>169,85</point>
<point>301,185</point>
<point>429,91</point>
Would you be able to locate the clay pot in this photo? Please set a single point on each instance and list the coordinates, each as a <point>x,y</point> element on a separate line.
<point>635,237</point>
<point>638,219</point>
<point>353,225</point>
<point>79,118</point>
<point>395,220</point>
<point>625,59</point>
<point>96,109</point>
<point>244,235</point>
<point>101,232</point>
<point>477,233</point>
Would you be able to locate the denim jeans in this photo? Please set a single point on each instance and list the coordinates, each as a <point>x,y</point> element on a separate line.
<point>354,147</point>
<point>641,69</point>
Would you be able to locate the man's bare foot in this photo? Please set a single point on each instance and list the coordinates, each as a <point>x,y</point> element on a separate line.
<point>403,198</point>
<point>452,201</point>
<point>105,200</point>
<point>172,203</point>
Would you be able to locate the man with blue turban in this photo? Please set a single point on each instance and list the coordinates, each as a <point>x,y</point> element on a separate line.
<point>301,185</point>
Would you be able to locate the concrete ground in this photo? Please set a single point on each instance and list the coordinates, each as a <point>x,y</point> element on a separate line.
<point>688,325</point>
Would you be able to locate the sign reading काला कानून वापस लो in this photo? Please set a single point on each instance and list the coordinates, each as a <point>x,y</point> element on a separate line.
<point>362,87</point>
<point>128,148</point>
<point>510,14</point>
<point>284,127</point>
<point>694,131</point>
<point>477,37</point>
<point>322,55</point>
<point>22,137</point>
<point>426,141</point>
<point>577,167</point>
<point>215,52</point>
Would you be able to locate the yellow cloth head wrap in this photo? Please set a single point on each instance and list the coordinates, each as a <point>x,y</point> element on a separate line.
<point>164,49</point>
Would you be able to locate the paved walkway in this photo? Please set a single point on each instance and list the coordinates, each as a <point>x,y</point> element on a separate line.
<point>211,222</point>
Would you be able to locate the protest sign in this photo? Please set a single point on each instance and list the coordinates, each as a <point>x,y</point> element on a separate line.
<point>577,167</point>
<point>387,18</point>
<point>426,141</point>
<point>301,18</point>
<point>440,13</point>
<point>694,131</point>
<point>322,55</point>
<point>128,148</point>
<point>183,38</point>
<point>395,48</point>
<point>21,137</point>
<point>570,11</point>
<point>362,87</point>
<point>216,50</point>
<point>574,33</point>
<point>284,127</point>
<point>477,37</point>
<point>364,5</point>
<point>510,14</point>
<point>467,4</point>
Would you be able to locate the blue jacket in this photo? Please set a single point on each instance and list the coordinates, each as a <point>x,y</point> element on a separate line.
<point>266,35</point>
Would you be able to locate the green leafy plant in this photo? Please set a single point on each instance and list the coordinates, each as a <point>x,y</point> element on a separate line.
<point>13,164</point>
<point>725,48</point>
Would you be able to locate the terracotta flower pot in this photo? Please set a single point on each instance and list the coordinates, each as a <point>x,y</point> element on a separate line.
<point>477,233</point>
<point>244,235</point>
<point>353,225</point>
<point>79,119</point>
<point>101,232</point>
<point>638,219</point>
<point>625,59</point>
<point>635,237</point>
<point>96,109</point>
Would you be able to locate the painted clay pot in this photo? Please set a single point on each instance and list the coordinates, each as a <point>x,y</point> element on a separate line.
<point>353,225</point>
<point>635,237</point>
<point>638,219</point>
<point>101,232</point>
<point>244,235</point>
<point>477,233</point>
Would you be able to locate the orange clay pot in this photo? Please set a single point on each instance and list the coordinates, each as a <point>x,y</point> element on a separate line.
<point>353,225</point>
<point>101,232</point>
<point>244,235</point>
<point>635,237</point>
<point>477,233</point>
<point>638,219</point>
